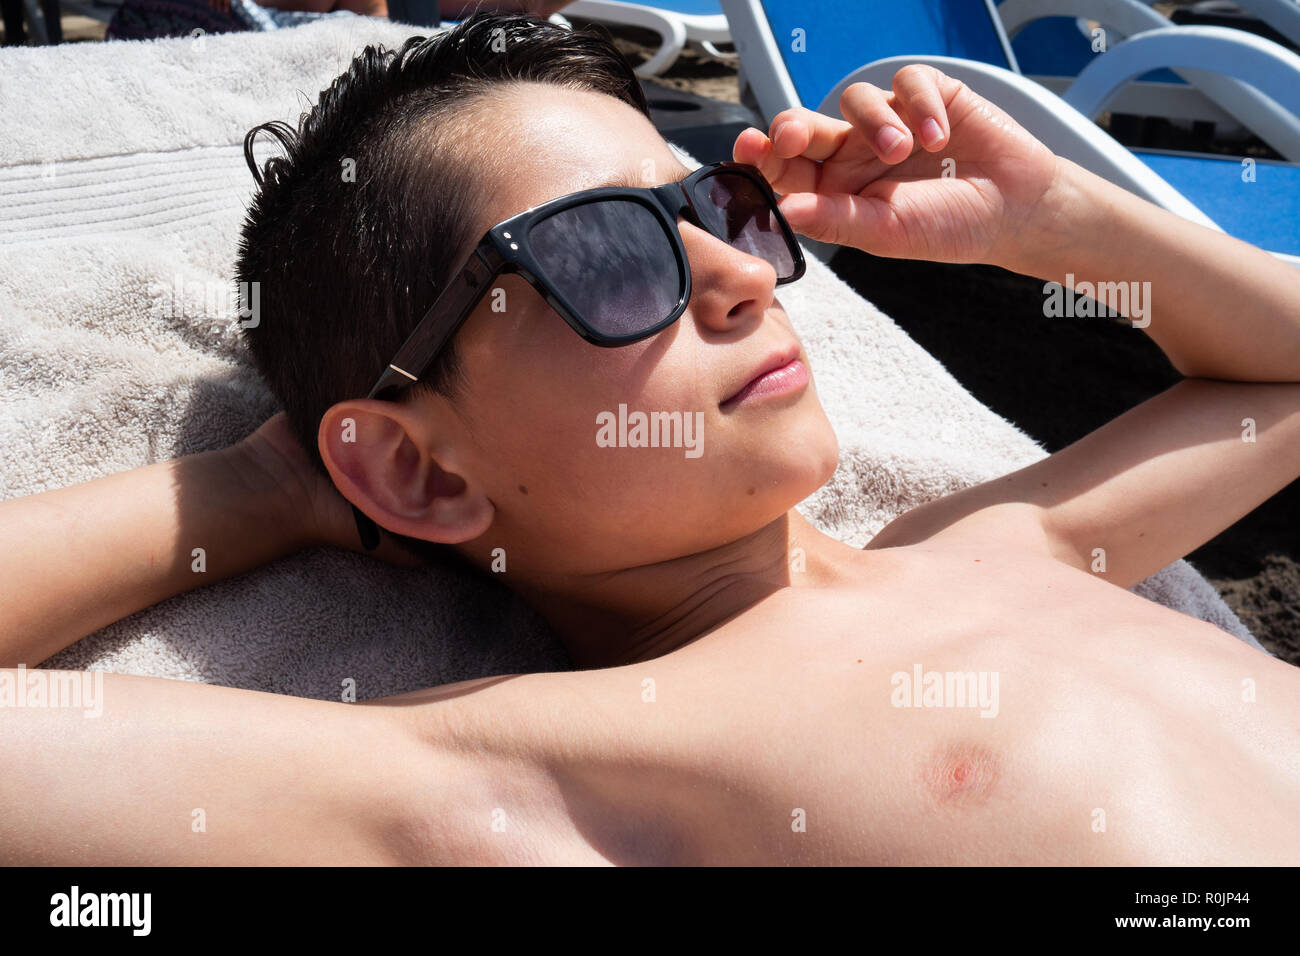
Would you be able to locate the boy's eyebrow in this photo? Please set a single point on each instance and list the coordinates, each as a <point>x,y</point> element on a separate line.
<point>634,179</point>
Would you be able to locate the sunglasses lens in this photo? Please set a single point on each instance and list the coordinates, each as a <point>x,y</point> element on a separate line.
<point>614,262</point>
<point>738,212</point>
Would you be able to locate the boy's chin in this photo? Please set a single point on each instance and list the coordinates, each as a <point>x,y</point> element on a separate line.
<point>802,471</point>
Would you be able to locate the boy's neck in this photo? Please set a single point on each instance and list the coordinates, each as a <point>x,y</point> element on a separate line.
<point>642,613</point>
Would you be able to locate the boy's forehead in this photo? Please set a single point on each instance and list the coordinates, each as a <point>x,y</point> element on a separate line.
<point>566,141</point>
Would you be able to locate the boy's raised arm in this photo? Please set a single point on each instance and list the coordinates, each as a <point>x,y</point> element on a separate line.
<point>1218,307</point>
<point>1167,476</point>
<point>144,771</point>
<point>115,769</point>
<point>76,559</point>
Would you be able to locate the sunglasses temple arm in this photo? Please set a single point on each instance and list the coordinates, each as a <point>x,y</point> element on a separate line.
<point>447,314</point>
<point>444,318</point>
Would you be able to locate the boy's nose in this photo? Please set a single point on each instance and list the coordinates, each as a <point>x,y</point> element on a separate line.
<point>728,287</point>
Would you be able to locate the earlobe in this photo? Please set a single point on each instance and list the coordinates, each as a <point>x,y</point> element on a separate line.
<point>378,458</point>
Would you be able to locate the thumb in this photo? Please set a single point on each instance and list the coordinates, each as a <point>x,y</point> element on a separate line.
<point>805,215</point>
<point>841,218</point>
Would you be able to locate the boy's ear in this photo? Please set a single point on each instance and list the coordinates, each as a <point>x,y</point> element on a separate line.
<point>378,456</point>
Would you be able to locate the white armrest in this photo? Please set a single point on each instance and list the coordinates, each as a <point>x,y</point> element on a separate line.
<point>1125,17</point>
<point>670,28</point>
<point>1272,69</point>
<point>1128,18</point>
<point>760,54</point>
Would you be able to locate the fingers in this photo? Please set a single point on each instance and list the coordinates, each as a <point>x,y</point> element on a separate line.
<point>867,108</point>
<point>801,132</point>
<point>793,174</point>
<point>917,94</point>
<point>915,113</point>
<point>841,218</point>
<point>806,152</point>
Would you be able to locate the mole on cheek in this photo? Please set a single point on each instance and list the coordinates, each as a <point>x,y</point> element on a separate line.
<point>960,775</point>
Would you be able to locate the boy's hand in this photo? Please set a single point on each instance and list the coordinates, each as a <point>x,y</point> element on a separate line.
<point>273,460</point>
<point>929,171</point>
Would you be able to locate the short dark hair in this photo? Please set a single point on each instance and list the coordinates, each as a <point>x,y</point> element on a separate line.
<point>347,267</point>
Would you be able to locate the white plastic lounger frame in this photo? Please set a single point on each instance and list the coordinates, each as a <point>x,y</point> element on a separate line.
<point>1220,84</point>
<point>675,29</point>
<point>1282,15</point>
<point>1144,98</point>
<point>1271,69</point>
<point>770,83</point>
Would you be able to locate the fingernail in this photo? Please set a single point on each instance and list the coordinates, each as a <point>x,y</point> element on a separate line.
<point>931,131</point>
<point>887,139</point>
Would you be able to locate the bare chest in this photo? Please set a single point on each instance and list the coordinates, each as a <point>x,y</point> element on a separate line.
<point>971,708</point>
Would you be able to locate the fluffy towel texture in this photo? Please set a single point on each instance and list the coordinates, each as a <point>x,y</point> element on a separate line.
<point>121,173</point>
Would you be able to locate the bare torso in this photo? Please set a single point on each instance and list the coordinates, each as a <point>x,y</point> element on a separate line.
<point>1122,732</point>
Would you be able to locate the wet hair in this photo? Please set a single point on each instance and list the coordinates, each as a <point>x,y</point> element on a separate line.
<point>377,198</point>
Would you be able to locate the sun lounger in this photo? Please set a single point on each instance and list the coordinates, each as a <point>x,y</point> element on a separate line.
<point>677,22</point>
<point>1051,48</point>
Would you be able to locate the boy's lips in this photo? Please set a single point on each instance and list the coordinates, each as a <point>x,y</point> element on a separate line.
<point>779,372</point>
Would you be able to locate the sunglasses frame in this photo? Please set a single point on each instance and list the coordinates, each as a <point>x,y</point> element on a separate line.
<point>506,249</point>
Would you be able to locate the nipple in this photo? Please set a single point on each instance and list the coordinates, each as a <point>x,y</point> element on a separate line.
<point>960,774</point>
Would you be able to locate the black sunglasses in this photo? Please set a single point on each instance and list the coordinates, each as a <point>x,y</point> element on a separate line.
<point>610,261</point>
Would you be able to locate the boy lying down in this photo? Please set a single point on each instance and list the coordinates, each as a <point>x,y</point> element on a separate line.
<point>738,697</point>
